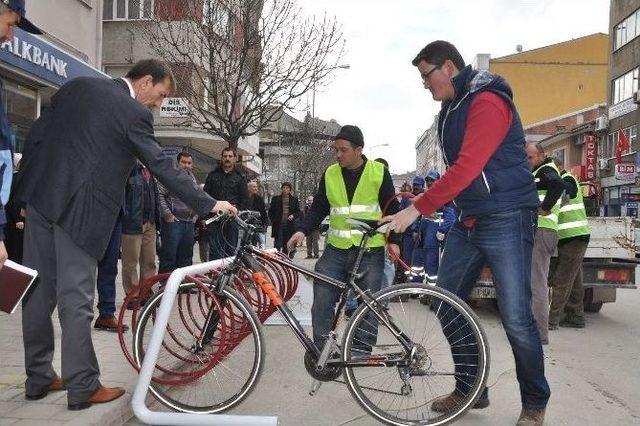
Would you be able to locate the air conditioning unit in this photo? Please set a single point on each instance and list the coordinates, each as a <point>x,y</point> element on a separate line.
<point>602,123</point>
<point>636,97</point>
<point>604,164</point>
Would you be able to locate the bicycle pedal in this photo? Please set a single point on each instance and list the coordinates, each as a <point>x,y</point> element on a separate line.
<point>314,387</point>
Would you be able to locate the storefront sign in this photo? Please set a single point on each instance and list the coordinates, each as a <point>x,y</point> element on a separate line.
<point>626,172</point>
<point>590,155</point>
<point>622,108</point>
<point>632,205</point>
<point>174,107</point>
<point>41,59</point>
<point>629,197</point>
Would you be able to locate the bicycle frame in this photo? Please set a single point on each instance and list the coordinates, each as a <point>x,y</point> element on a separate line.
<point>245,257</point>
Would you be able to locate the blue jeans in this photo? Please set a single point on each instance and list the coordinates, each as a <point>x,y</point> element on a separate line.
<point>504,241</point>
<point>177,245</point>
<point>337,263</point>
<point>389,273</point>
<point>223,239</point>
<point>107,272</point>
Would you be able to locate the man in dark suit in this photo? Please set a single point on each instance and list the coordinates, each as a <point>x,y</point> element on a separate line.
<point>76,163</point>
<point>284,210</point>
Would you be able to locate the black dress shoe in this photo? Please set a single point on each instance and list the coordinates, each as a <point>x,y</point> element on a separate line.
<point>56,385</point>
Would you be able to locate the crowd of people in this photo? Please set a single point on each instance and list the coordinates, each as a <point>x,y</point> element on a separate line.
<point>97,188</point>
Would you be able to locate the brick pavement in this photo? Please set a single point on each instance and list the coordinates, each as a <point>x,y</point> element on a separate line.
<point>115,371</point>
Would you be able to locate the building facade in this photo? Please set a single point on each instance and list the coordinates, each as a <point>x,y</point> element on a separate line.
<point>620,190</point>
<point>428,153</point>
<point>124,44</point>
<point>32,67</point>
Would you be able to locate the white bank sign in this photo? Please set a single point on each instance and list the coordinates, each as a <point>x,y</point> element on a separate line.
<point>36,55</point>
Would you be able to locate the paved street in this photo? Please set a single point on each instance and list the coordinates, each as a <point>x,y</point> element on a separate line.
<point>593,375</point>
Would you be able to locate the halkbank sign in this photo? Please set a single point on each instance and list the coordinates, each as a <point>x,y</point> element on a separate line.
<point>43,60</point>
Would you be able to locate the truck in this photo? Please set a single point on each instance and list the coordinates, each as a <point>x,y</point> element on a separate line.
<point>609,263</point>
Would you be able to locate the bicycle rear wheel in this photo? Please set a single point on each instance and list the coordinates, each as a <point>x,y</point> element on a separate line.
<point>218,373</point>
<point>445,350</point>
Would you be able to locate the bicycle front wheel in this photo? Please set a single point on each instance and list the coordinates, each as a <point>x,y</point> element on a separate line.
<point>203,371</point>
<point>406,355</point>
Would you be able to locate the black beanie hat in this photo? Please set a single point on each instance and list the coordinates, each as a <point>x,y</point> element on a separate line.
<point>352,134</point>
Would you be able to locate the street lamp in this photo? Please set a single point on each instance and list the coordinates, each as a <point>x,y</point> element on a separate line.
<point>376,146</point>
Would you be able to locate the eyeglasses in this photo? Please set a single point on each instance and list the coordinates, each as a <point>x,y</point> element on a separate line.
<point>425,76</point>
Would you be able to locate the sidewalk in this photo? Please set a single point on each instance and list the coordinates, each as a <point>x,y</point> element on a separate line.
<point>114,371</point>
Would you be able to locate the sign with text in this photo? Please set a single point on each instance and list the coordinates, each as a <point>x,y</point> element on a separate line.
<point>174,107</point>
<point>622,108</point>
<point>626,172</point>
<point>629,197</point>
<point>590,155</point>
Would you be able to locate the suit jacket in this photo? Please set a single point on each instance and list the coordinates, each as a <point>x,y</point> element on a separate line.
<point>80,152</point>
<point>275,214</point>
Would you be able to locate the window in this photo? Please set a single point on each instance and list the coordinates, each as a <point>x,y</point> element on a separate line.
<point>627,30</point>
<point>609,145</point>
<point>625,86</point>
<point>117,10</point>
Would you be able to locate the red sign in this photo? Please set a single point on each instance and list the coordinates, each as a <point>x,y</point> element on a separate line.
<point>578,172</point>
<point>590,155</point>
<point>625,171</point>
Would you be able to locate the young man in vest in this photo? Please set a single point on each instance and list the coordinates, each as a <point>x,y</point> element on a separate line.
<point>550,188</point>
<point>573,239</point>
<point>489,180</point>
<point>354,187</point>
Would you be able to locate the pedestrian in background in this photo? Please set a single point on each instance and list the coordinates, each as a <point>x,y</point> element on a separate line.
<point>313,239</point>
<point>12,15</point>
<point>226,183</point>
<point>550,188</point>
<point>106,284</point>
<point>256,203</point>
<point>284,210</point>
<point>76,162</point>
<point>567,297</point>
<point>435,232</point>
<point>178,223</point>
<point>140,223</point>
<point>483,142</point>
<point>14,230</point>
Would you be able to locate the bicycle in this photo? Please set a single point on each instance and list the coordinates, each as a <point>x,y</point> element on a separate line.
<point>396,356</point>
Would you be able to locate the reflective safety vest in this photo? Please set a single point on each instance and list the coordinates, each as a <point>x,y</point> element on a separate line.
<point>549,221</point>
<point>365,204</point>
<point>572,219</point>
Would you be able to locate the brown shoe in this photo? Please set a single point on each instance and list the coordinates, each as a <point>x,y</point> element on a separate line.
<point>100,396</point>
<point>445,404</point>
<point>109,324</point>
<point>529,417</point>
<point>56,385</point>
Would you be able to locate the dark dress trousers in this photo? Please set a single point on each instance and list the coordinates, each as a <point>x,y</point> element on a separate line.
<point>76,162</point>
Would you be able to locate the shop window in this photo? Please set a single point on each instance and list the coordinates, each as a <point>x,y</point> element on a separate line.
<point>21,104</point>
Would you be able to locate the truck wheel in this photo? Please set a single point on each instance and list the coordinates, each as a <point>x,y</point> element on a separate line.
<point>589,304</point>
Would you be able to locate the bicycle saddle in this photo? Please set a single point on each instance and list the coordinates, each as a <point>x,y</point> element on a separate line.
<point>368,226</point>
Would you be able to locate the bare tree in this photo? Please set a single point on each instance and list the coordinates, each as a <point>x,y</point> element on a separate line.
<point>236,59</point>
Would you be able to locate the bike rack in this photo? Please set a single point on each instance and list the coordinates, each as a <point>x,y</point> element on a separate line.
<point>140,409</point>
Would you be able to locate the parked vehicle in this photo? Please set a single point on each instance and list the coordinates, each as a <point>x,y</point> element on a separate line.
<point>609,263</point>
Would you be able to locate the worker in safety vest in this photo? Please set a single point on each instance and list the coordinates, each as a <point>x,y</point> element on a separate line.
<point>354,187</point>
<point>550,188</point>
<point>567,298</point>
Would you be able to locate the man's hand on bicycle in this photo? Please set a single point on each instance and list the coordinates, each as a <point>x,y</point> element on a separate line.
<point>295,240</point>
<point>400,221</point>
<point>224,207</point>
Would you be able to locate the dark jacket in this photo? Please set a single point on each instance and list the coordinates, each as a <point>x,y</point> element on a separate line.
<point>275,215</point>
<point>256,203</point>
<point>76,165</point>
<point>136,193</point>
<point>549,180</point>
<point>231,187</point>
<point>506,182</point>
